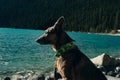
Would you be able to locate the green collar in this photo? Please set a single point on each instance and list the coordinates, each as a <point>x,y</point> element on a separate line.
<point>64,48</point>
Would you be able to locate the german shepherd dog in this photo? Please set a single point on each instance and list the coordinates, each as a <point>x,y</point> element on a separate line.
<point>71,63</point>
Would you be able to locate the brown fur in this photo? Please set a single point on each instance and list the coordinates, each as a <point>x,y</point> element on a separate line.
<point>73,64</point>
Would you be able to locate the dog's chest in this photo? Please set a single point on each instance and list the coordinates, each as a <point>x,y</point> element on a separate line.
<point>60,64</point>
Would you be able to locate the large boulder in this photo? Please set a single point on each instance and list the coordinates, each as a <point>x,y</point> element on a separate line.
<point>106,61</point>
<point>112,78</point>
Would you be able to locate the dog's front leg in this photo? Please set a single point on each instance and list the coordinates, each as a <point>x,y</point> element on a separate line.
<point>57,76</point>
<point>66,73</point>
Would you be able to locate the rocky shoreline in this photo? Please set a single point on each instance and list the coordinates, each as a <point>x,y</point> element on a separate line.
<point>108,65</point>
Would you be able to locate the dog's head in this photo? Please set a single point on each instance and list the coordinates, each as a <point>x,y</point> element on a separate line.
<point>54,34</point>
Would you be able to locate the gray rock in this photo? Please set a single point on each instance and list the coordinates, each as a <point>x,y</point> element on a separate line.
<point>111,73</point>
<point>118,76</point>
<point>112,78</point>
<point>117,69</point>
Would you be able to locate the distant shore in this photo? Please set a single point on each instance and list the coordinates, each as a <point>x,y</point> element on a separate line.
<point>111,34</point>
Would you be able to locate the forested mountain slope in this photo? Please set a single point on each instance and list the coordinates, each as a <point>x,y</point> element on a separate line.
<point>80,15</point>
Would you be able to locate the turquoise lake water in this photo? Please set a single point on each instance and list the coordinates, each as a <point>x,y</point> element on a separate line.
<point>19,51</point>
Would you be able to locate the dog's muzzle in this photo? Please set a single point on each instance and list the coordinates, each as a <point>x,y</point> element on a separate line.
<point>43,40</point>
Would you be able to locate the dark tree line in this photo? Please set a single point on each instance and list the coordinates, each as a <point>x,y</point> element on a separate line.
<point>80,15</point>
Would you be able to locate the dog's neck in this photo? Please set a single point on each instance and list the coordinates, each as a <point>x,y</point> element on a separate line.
<point>63,49</point>
<point>56,47</point>
<point>62,39</point>
<point>59,44</point>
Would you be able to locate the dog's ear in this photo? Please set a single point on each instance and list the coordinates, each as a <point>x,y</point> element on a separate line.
<point>59,23</point>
